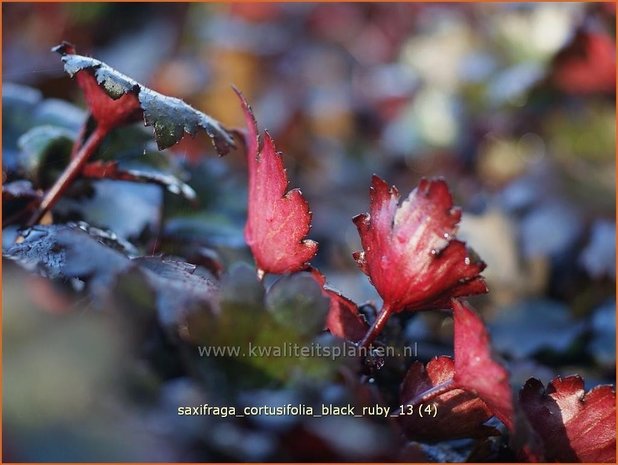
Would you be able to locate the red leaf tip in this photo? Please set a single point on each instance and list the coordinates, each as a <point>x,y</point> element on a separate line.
<point>65,48</point>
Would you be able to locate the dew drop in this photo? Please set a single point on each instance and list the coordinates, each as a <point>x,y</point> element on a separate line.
<point>467,260</point>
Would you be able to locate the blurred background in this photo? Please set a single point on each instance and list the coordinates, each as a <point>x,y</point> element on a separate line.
<point>514,104</point>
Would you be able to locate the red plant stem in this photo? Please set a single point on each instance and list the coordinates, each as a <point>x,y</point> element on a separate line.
<point>376,327</point>
<point>69,174</point>
<point>432,392</point>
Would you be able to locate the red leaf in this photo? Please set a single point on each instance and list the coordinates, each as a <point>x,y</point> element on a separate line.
<point>409,251</point>
<point>475,370</point>
<point>107,112</point>
<point>574,426</point>
<point>278,222</point>
<point>115,99</point>
<point>343,319</point>
<point>460,414</point>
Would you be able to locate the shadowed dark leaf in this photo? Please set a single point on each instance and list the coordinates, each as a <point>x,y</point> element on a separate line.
<point>98,257</point>
<point>110,170</point>
<point>44,153</point>
<point>554,328</point>
<point>296,302</point>
<point>125,207</point>
<point>461,414</point>
<point>18,104</point>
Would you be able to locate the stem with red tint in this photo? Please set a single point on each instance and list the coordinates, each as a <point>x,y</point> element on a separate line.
<point>69,174</point>
<point>377,326</point>
<point>433,392</point>
<point>430,394</point>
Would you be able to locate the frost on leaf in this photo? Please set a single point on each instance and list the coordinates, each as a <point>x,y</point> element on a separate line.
<point>573,425</point>
<point>466,413</point>
<point>18,190</point>
<point>115,99</point>
<point>409,250</point>
<point>278,220</point>
<point>101,260</point>
<point>475,369</point>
